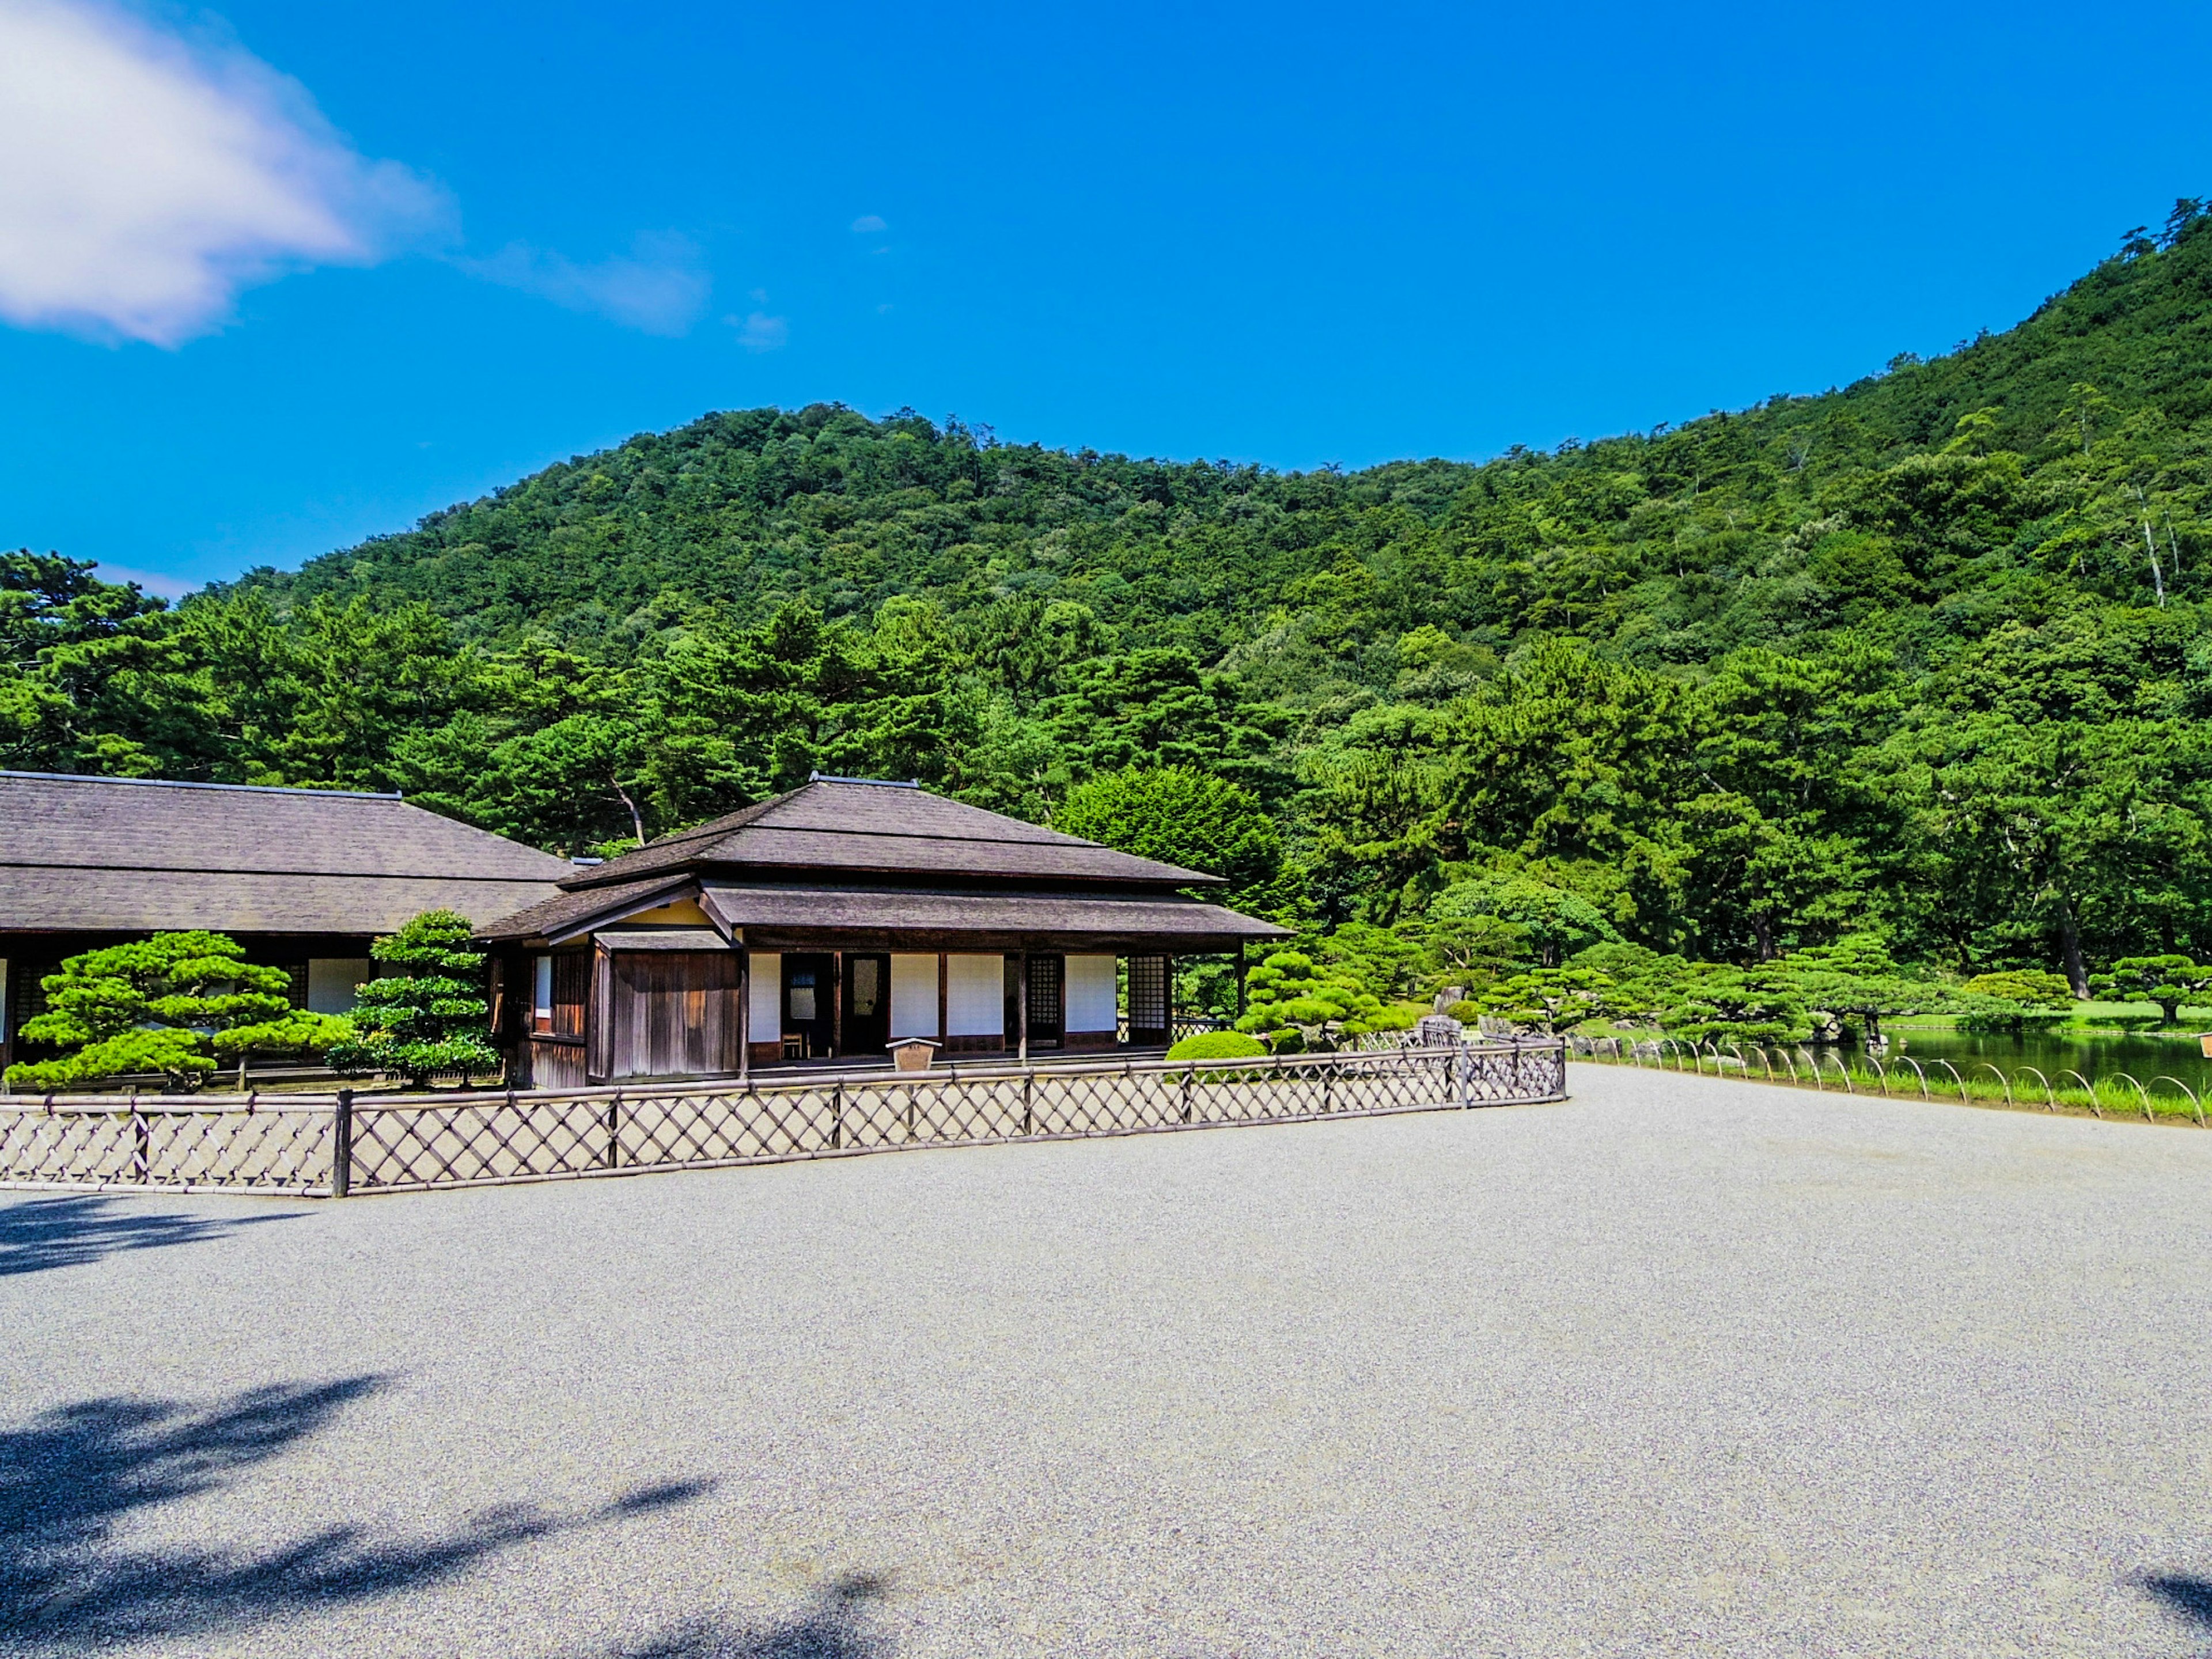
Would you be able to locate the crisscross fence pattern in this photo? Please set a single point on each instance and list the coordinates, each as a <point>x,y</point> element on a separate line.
<point>177,1145</point>
<point>2120,1094</point>
<point>342,1144</point>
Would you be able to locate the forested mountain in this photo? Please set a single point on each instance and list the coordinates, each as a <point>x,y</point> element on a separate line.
<point>1925,656</point>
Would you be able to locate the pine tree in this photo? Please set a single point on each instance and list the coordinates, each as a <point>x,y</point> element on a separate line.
<point>430,1016</point>
<point>169,1004</point>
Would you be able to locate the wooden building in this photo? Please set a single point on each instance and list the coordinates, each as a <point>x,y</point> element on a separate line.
<point>826,923</point>
<point>304,879</point>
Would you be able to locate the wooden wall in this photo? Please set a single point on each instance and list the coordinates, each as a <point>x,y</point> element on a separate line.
<point>673,1014</point>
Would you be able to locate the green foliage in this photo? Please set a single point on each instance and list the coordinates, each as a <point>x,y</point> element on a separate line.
<point>1472,950</point>
<point>2168,980</point>
<point>1386,963</point>
<point>1928,653</point>
<point>1550,921</point>
<point>1217,1045</point>
<point>1184,817</point>
<point>1298,1005</point>
<point>1855,981</point>
<point>170,1005</point>
<point>1556,999</point>
<point>429,1016</point>
<point>2012,1000</point>
<point>2032,987</point>
<point>1717,1002</point>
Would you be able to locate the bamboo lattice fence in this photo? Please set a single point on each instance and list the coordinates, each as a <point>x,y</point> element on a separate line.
<point>336,1145</point>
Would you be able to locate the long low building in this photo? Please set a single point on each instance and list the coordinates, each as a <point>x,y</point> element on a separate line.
<point>304,879</point>
<point>830,922</point>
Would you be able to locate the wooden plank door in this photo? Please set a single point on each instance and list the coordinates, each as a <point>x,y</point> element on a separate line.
<point>674,1013</point>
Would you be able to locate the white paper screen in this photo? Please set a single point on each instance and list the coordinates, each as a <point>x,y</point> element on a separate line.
<point>913,996</point>
<point>975,996</point>
<point>1090,993</point>
<point>766,1015</point>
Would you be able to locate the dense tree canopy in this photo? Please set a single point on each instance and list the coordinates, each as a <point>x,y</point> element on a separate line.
<point>1924,658</point>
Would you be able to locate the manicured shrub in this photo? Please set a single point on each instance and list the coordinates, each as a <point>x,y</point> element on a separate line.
<point>168,1005</point>
<point>1217,1045</point>
<point>1293,1000</point>
<point>430,1016</point>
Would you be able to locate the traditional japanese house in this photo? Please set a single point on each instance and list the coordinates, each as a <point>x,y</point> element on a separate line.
<point>829,922</point>
<point>303,878</point>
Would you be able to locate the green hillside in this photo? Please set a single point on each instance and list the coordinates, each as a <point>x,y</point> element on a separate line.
<point>1924,655</point>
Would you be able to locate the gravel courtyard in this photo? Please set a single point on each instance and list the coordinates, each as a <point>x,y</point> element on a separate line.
<point>1679,1366</point>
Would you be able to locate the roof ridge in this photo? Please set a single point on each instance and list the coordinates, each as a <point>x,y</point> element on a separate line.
<point>607,874</point>
<point>1062,837</point>
<point>243,788</point>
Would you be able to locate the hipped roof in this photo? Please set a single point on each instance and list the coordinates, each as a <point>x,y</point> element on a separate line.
<point>117,854</point>
<point>786,911</point>
<point>866,828</point>
<point>755,912</point>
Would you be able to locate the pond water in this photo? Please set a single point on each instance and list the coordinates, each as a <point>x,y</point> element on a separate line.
<point>2142,1057</point>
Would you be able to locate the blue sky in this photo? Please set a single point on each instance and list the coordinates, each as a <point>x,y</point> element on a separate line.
<point>300,274</point>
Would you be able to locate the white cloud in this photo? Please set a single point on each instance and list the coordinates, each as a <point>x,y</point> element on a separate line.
<point>145,178</point>
<point>661,286</point>
<point>866,223</point>
<point>758,332</point>
<point>154,581</point>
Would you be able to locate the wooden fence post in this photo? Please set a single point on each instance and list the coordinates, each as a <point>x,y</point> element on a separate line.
<point>342,1146</point>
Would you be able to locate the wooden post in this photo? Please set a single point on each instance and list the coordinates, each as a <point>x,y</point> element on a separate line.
<point>598,1017</point>
<point>1168,994</point>
<point>745,1016</point>
<point>1022,1004</point>
<point>1240,972</point>
<point>342,1146</point>
<point>944,994</point>
<point>837,1003</point>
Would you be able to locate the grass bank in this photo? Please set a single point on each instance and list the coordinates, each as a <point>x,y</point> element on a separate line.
<point>2025,1088</point>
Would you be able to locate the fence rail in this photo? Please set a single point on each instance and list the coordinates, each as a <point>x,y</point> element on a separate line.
<point>335,1145</point>
<point>1806,1066</point>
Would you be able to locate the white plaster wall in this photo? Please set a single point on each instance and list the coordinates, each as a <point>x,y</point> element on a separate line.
<point>765,1020</point>
<point>975,996</point>
<point>1090,993</point>
<point>331,980</point>
<point>913,996</point>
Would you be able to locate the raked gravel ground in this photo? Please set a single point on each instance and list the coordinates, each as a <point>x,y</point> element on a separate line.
<point>1677,1367</point>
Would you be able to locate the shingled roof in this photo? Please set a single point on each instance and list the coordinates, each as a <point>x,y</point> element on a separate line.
<point>130,854</point>
<point>857,825</point>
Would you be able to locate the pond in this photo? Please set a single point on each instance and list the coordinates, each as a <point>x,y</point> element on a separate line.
<point>2101,1055</point>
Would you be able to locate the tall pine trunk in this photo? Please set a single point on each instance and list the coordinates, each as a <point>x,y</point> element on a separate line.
<point>2070,950</point>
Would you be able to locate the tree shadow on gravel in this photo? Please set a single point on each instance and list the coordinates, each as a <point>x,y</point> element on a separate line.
<point>2189,1596</point>
<point>831,1627</point>
<point>67,1232</point>
<point>70,1480</point>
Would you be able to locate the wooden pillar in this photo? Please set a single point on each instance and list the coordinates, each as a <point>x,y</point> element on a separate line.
<point>1170,960</point>
<point>745,1016</point>
<point>1021,1003</point>
<point>599,1018</point>
<point>1241,970</point>
<point>837,1003</point>
<point>944,981</point>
